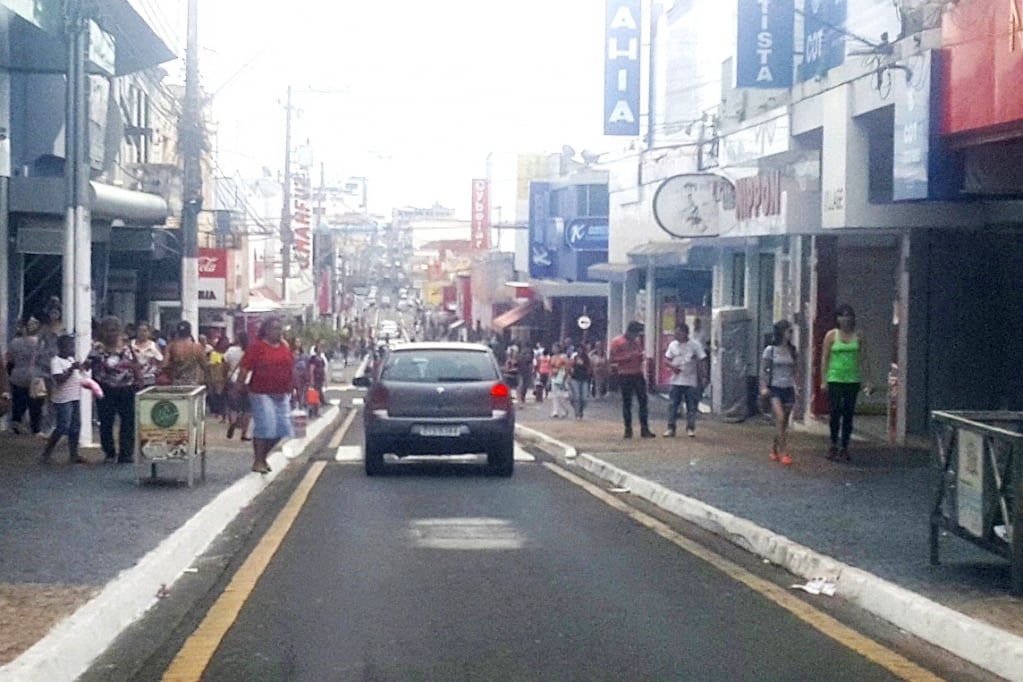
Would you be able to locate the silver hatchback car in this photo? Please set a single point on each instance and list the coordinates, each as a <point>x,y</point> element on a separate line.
<point>437,398</point>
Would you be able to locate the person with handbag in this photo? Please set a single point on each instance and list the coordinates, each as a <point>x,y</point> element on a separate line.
<point>148,353</point>
<point>239,411</point>
<point>580,374</point>
<point>27,378</point>
<point>627,356</point>
<point>685,358</point>
<point>117,370</point>
<point>778,384</point>
<point>67,380</point>
<point>559,382</point>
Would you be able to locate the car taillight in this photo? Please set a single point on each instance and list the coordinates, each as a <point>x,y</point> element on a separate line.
<point>500,397</point>
<point>377,398</point>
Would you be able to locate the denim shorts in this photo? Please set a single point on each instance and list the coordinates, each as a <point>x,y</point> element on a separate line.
<point>68,419</point>
<point>271,415</point>
<point>787,396</point>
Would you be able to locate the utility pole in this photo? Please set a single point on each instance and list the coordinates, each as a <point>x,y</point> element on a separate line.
<point>286,235</point>
<point>77,257</point>
<point>190,141</point>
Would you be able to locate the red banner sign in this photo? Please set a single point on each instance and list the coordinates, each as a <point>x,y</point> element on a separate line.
<point>301,219</point>
<point>480,234</point>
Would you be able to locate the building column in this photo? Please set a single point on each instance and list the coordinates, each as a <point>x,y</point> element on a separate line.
<point>629,293</point>
<point>650,335</point>
<point>615,319</point>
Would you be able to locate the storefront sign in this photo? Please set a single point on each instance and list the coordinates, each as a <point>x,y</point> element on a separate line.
<point>984,39</point>
<point>758,196</point>
<point>621,67</point>
<point>823,37</point>
<point>694,205</point>
<point>922,167</point>
<point>301,219</point>
<point>587,234</point>
<point>769,137</point>
<point>212,277</point>
<point>480,223</point>
<point>765,48</point>
<point>970,482</point>
<point>541,260</point>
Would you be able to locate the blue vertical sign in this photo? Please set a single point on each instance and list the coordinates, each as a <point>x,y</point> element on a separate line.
<point>765,46</point>
<point>823,40</point>
<point>541,259</point>
<point>922,166</point>
<point>621,67</point>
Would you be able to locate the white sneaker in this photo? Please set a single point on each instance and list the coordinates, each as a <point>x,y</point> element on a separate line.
<point>691,433</point>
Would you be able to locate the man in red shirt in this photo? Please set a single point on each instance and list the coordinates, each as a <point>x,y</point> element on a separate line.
<point>627,357</point>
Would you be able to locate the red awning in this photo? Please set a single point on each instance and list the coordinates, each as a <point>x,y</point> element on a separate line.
<point>513,316</point>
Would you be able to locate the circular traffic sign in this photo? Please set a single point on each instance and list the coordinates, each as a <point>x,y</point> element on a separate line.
<point>584,322</point>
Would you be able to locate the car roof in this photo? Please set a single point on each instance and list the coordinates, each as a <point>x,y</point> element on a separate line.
<point>442,345</point>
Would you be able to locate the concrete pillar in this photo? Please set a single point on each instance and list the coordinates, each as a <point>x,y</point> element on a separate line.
<point>629,292</point>
<point>844,159</point>
<point>615,321</point>
<point>650,318</point>
<point>901,315</point>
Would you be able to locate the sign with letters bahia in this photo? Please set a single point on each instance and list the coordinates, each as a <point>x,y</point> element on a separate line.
<point>587,234</point>
<point>765,44</point>
<point>621,67</point>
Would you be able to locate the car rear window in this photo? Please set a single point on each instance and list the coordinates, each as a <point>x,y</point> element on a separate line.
<point>430,366</point>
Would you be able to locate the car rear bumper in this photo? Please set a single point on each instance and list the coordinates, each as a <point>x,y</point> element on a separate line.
<point>408,435</point>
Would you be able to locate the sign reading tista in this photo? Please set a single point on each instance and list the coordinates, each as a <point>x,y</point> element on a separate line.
<point>764,58</point>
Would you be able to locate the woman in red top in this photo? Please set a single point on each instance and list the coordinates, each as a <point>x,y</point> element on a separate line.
<point>268,366</point>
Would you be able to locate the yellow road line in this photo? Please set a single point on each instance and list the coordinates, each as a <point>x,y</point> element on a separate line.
<point>844,635</point>
<point>340,434</point>
<point>195,655</point>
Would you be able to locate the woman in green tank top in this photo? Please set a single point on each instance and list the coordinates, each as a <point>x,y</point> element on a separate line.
<point>842,362</point>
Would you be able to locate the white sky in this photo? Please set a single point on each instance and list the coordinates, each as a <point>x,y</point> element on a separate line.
<point>426,89</point>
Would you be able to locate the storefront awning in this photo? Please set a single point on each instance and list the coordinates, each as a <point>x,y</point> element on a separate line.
<point>513,316</point>
<point>610,272</point>
<point>47,196</point>
<point>553,288</point>
<point>661,254</point>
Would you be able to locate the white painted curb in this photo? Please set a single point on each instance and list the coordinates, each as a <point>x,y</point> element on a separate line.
<point>73,644</point>
<point>983,645</point>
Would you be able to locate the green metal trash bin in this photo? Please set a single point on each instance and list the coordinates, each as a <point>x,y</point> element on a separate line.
<point>170,432</point>
<point>980,492</point>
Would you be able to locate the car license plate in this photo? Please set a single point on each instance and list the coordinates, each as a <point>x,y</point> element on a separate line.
<point>441,431</point>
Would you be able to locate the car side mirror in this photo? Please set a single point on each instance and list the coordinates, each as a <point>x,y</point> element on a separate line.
<point>362,381</point>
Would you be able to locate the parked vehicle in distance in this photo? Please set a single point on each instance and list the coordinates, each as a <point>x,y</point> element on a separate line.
<point>437,398</point>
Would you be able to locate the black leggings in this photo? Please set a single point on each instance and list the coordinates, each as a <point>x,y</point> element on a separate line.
<point>634,384</point>
<point>842,398</point>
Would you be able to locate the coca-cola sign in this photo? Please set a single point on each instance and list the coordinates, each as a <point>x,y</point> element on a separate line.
<point>212,277</point>
<point>212,263</point>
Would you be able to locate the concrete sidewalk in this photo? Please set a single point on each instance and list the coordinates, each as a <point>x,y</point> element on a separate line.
<point>864,523</point>
<point>84,551</point>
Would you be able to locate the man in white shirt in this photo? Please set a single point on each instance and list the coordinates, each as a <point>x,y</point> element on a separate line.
<point>685,357</point>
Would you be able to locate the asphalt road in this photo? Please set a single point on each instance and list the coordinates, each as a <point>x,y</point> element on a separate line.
<point>445,573</point>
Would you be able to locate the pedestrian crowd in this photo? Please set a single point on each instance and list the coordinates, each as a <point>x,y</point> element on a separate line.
<point>569,374</point>
<point>42,379</point>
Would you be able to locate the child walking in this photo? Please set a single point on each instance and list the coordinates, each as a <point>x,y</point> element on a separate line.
<point>67,392</point>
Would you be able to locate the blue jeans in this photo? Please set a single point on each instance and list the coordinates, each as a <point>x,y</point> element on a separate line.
<point>69,421</point>
<point>579,388</point>
<point>691,396</point>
